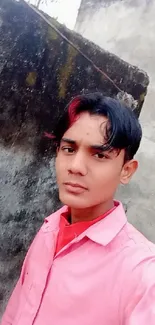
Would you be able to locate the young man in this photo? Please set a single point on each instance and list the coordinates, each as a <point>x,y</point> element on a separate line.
<point>88,265</point>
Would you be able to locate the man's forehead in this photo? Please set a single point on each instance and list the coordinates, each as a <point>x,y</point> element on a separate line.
<point>86,123</point>
<point>88,130</point>
<point>85,116</point>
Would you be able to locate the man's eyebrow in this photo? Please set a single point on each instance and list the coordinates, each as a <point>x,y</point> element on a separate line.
<point>99,147</point>
<point>68,141</point>
<point>94,147</point>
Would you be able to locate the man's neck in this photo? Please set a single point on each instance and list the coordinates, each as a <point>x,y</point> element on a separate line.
<point>91,213</point>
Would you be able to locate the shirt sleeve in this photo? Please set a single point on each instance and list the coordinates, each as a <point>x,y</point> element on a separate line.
<point>143,299</point>
<point>14,301</point>
<point>12,306</point>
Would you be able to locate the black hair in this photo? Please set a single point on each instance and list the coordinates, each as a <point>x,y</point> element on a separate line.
<point>123,130</point>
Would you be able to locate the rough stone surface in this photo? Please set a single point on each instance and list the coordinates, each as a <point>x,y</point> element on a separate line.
<point>127,29</point>
<point>39,73</point>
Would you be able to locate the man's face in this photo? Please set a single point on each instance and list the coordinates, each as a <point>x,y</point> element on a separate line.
<point>87,176</point>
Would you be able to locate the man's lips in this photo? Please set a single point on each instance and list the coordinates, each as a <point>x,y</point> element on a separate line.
<point>75,185</point>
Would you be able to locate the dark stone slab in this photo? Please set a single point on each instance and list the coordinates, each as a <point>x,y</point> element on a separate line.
<point>39,73</point>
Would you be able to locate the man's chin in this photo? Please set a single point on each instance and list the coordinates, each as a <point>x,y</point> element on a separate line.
<point>72,201</point>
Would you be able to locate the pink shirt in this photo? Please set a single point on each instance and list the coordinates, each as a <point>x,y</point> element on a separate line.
<point>105,276</point>
<point>67,231</point>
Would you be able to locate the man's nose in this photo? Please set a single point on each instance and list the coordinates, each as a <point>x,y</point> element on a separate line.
<point>78,164</point>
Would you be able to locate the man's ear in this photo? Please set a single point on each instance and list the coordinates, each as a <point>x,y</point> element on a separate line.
<point>128,170</point>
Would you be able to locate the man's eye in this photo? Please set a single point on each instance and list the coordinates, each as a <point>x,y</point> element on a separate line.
<point>100,156</point>
<point>67,149</point>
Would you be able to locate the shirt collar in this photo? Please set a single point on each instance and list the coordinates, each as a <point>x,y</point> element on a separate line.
<point>102,232</point>
<point>51,223</point>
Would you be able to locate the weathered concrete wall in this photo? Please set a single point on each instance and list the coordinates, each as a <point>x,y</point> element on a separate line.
<point>88,9</point>
<point>39,72</point>
<point>127,28</point>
